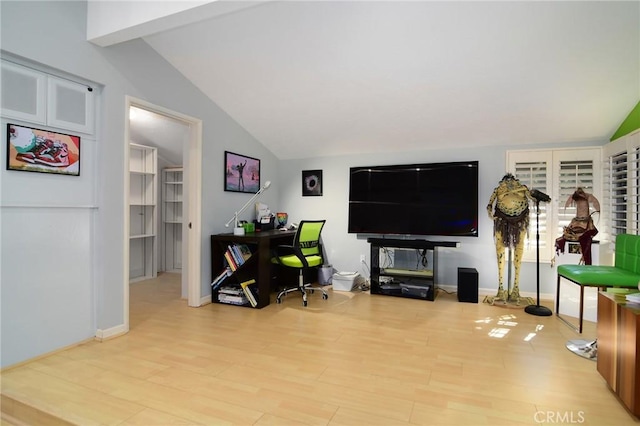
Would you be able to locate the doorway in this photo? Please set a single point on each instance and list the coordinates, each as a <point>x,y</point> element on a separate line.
<point>178,141</point>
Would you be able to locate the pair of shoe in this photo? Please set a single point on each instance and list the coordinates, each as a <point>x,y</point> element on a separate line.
<point>47,152</point>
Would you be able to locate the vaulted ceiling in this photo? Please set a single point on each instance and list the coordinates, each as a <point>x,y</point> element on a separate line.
<point>330,78</point>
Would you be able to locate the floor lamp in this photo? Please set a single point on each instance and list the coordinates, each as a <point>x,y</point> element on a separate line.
<point>537,309</point>
<point>238,229</point>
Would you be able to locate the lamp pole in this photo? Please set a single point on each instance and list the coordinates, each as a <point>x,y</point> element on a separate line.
<point>237,229</point>
<point>537,309</point>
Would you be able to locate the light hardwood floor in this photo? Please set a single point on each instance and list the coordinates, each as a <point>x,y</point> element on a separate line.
<point>354,359</point>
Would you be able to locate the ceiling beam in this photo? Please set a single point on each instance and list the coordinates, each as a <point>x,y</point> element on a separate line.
<point>112,22</point>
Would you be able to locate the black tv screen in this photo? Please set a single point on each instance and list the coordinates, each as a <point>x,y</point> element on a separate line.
<point>415,199</point>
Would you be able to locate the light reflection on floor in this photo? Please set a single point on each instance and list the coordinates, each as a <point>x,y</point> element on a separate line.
<point>503,326</point>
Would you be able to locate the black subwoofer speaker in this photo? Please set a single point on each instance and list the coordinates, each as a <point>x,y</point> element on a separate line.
<point>467,285</point>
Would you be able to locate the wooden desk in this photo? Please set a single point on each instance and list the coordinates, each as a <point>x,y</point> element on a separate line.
<point>258,266</point>
<point>618,332</point>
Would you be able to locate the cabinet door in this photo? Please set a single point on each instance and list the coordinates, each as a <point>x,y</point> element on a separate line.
<point>24,93</point>
<point>628,386</point>
<point>607,339</point>
<point>70,105</point>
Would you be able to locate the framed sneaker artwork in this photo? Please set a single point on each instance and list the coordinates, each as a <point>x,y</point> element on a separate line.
<point>44,151</point>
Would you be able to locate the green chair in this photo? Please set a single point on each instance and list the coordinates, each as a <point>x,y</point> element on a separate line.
<point>304,254</point>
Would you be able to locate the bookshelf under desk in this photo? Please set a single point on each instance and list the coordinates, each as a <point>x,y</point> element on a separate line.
<point>258,266</point>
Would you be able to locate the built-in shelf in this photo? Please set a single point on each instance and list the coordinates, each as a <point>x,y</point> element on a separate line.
<point>172,218</point>
<point>142,212</point>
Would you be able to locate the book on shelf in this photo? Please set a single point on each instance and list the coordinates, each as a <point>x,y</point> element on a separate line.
<point>232,264</point>
<point>232,290</point>
<point>633,297</point>
<point>233,300</point>
<point>250,289</point>
<point>239,253</point>
<point>235,254</point>
<point>217,281</point>
<point>233,295</point>
<point>245,252</point>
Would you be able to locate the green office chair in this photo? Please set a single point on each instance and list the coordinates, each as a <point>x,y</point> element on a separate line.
<point>305,253</point>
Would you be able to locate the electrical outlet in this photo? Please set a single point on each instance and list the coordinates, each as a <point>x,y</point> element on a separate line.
<point>362,258</point>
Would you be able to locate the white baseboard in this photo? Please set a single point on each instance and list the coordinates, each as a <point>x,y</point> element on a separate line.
<point>493,291</point>
<point>110,333</point>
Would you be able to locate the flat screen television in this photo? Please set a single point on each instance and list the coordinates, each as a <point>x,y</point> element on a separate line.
<point>415,199</point>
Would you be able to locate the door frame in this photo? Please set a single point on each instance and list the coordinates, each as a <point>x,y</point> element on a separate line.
<point>193,217</point>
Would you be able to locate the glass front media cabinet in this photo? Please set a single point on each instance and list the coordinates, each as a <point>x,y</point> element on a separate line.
<point>417,283</point>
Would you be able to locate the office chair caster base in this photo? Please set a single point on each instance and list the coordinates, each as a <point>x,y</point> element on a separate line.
<point>325,296</point>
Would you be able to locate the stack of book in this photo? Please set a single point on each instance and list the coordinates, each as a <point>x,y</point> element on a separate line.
<point>232,295</point>
<point>236,255</point>
<point>633,297</point>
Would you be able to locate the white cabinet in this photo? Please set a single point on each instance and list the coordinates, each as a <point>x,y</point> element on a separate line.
<point>24,93</point>
<point>70,105</point>
<point>40,98</point>
<point>143,243</point>
<point>172,218</point>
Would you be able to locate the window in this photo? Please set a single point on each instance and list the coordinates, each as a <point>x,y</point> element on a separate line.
<point>572,175</point>
<point>622,185</point>
<point>557,173</point>
<point>534,174</point>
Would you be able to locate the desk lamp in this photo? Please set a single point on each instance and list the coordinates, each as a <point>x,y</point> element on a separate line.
<point>239,230</point>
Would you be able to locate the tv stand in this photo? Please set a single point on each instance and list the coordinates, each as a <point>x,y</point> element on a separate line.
<point>402,282</point>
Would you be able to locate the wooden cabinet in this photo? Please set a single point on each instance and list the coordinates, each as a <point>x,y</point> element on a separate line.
<point>172,219</point>
<point>618,347</point>
<point>142,212</point>
<point>40,98</point>
<point>391,279</point>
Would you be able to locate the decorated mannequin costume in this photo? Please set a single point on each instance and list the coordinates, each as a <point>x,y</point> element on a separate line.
<point>581,228</point>
<point>510,225</point>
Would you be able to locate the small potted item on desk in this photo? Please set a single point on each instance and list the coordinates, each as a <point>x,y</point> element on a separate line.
<point>249,227</point>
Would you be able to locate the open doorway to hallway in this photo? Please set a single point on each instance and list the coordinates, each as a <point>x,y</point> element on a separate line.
<point>167,137</point>
<point>176,140</point>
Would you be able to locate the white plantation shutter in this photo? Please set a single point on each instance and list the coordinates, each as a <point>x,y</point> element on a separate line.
<point>572,175</point>
<point>535,176</point>
<point>557,173</point>
<point>634,188</point>
<point>622,186</point>
<point>532,168</point>
<point>616,194</point>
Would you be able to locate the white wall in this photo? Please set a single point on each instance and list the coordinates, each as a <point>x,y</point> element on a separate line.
<point>43,311</point>
<point>344,250</point>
